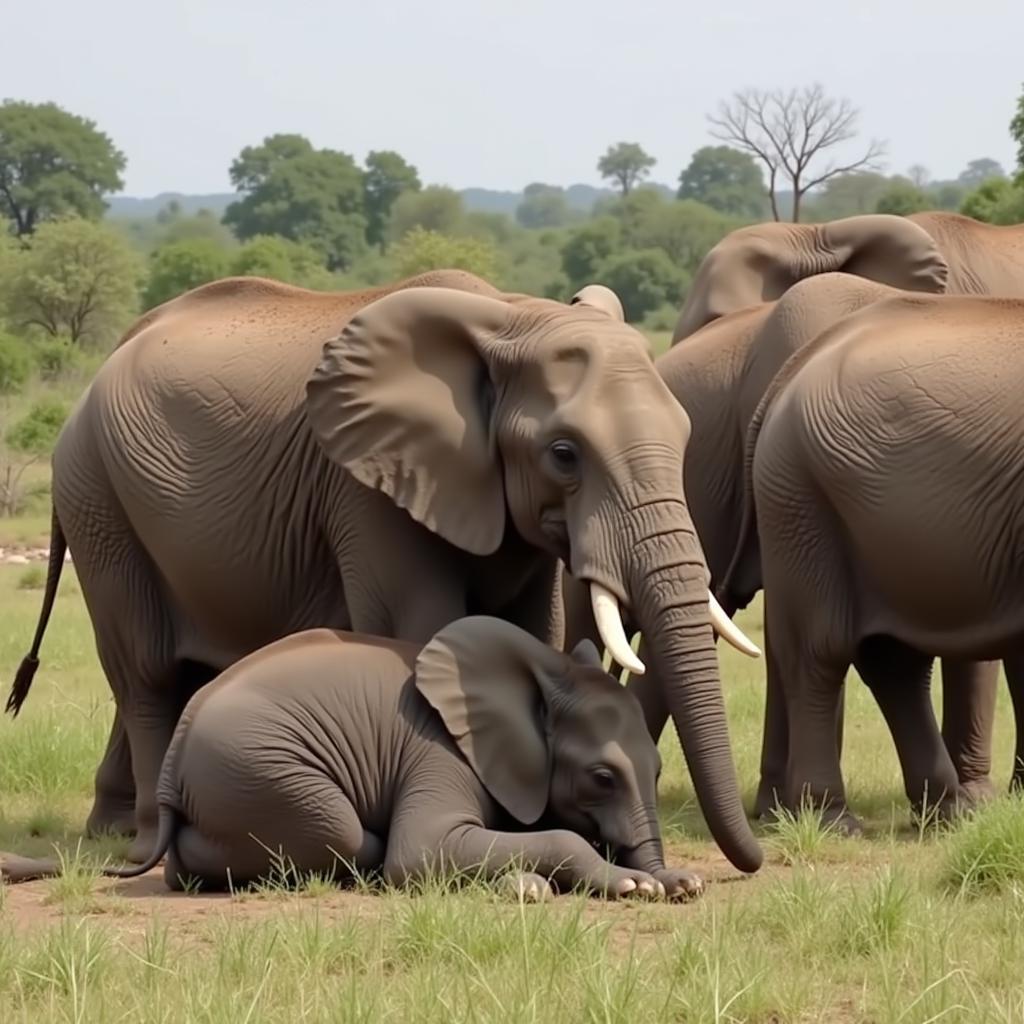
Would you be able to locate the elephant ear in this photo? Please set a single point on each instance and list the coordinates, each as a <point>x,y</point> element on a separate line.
<point>599,297</point>
<point>491,683</point>
<point>885,248</point>
<point>400,399</point>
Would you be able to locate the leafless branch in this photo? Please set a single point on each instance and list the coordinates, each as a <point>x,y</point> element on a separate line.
<point>787,131</point>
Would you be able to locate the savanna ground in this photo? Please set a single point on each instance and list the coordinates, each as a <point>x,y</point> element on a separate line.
<point>903,925</point>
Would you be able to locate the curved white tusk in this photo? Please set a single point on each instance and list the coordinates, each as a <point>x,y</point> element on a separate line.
<point>729,631</point>
<point>609,625</point>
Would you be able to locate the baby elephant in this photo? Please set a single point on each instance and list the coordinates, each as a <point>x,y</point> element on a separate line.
<point>484,751</point>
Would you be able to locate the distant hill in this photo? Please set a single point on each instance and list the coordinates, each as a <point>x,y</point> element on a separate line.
<point>483,200</point>
<point>131,206</point>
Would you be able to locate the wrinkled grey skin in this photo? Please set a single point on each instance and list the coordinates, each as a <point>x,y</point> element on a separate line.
<point>719,377</point>
<point>485,751</point>
<point>885,459</point>
<point>758,263</point>
<point>256,459</point>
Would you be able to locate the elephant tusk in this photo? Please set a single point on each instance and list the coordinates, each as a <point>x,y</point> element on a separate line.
<point>729,631</point>
<point>609,625</point>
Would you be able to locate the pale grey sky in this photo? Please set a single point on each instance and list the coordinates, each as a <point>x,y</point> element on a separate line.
<point>499,93</point>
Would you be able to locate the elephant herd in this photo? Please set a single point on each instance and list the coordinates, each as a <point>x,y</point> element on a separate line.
<point>378,519</point>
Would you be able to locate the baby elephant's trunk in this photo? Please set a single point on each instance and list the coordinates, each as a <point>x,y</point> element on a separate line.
<point>25,869</point>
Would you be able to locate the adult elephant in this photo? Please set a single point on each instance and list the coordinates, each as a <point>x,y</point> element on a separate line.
<point>883,465</point>
<point>719,377</point>
<point>758,263</point>
<point>257,459</point>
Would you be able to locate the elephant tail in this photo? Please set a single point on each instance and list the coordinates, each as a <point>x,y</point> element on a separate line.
<point>14,869</point>
<point>166,824</point>
<point>27,669</point>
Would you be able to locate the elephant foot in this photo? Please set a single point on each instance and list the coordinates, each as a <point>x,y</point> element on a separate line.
<point>839,820</point>
<point>942,812</point>
<point>525,886</point>
<point>680,884</point>
<point>111,817</point>
<point>975,792</point>
<point>768,799</point>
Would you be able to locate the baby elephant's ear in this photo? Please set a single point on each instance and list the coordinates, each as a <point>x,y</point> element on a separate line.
<point>490,682</point>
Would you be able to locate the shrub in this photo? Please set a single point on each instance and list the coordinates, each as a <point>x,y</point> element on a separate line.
<point>15,364</point>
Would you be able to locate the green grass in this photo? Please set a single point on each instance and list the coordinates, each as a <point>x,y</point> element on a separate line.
<point>903,925</point>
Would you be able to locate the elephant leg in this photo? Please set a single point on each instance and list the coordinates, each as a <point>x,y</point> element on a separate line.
<point>135,643</point>
<point>968,718</point>
<point>900,681</point>
<point>113,809</point>
<point>811,686</point>
<point>1015,681</point>
<point>326,838</point>
<point>564,856</point>
<point>774,743</point>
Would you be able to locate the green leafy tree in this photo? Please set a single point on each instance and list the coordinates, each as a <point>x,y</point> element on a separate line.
<point>684,230</point>
<point>75,279</point>
<point>434,208</point>
<point>996,201</point>
<point>1017,134</point>
<point>312,196</point>
<point>25,442</point>
<point>421,250</point>
<point>387,176</point>
<point>946,195</point>
<point>53,164</point>
<point>531,262</point>
<point>588,247</point>
<point>644,280</point>
<point>725,179</point>
<point>979,171</point>
<point>15,364</point>
<point>202,224</point>
<point>543,206</point>
<point>496,227</point>
<point>181,266</point>
<point>847,195</point>
<point>255,164</point>
<point>282,260</point>
<point>626,164</point>
<point>902,197</point>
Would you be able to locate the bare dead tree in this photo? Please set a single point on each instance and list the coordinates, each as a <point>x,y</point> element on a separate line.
<point>787,131</point>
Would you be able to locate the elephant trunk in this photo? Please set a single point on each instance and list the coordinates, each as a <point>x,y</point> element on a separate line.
<point>645,853</point>
<point>670,604</point>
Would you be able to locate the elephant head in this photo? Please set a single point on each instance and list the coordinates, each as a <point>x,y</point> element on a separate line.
<point>548,734</point>
<point>758,263</point>
<point>479,416</point>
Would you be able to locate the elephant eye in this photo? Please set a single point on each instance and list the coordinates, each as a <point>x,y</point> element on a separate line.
<point>565,456</point>
<point>603,777</point>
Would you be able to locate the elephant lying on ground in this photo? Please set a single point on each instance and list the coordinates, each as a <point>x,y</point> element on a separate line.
<point>885,473</point>
<point>719,377</point>
<point>758,263</point>
<point>256,459</point>
<point>484,751</point>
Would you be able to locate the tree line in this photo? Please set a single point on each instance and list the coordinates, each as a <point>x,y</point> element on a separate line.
<point>70,279</point>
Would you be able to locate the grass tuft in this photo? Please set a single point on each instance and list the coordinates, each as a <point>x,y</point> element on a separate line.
<point>799,838</point>
<point>985,853</point>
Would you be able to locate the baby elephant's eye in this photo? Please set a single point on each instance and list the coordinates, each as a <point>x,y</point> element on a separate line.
<point>603,777</point>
